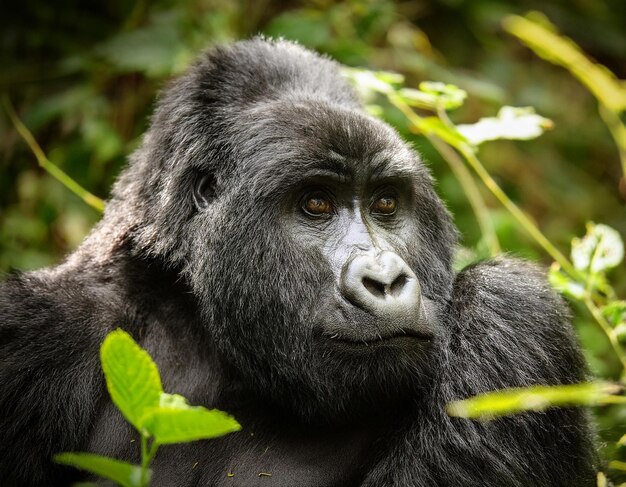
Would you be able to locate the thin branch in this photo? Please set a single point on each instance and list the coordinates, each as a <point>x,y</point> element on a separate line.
<point>528,225</point>
<point>51,168</point>
<point>618,132</point>
<point>464,177</point>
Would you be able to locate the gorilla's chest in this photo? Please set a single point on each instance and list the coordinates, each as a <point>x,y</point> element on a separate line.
<point>295,458</point>
<point>277,458</point>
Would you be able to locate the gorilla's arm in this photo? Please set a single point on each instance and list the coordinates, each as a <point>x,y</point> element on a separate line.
<point>507,328</point>
<point>50,379</point>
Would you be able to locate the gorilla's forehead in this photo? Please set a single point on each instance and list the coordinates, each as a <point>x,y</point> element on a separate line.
<point>289,137</point>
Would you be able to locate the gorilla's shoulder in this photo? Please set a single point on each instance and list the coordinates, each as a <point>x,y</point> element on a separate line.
<point>515,296</point>
<point>51,304</point>
<point>506,308</point>
<point>517,282</point>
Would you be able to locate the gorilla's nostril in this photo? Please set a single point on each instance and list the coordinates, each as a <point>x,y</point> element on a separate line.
<point>374,287</point>
<point>396,286</point>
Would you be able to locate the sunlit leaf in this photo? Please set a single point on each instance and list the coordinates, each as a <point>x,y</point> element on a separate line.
<point>175,421</point>
<point>510,123</point>
<point>125,474</point>
<point>564,284</point>
<point>433,95</point>
<point>617,465</point>
<point>600,249</point>
<point>620,333</point>
<point>373,81</point>
<point>615,312</point>
<point>132,377</point>
<point>537,32</point>
<point>536,398</point>
<point>435,126</point>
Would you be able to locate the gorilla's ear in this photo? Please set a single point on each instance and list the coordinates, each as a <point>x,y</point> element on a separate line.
<point>204,191</point>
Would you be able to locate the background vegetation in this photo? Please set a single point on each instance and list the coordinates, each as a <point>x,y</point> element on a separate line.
<point>83,77</point>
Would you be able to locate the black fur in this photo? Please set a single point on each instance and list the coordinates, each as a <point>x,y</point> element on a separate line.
<point>202,257</point>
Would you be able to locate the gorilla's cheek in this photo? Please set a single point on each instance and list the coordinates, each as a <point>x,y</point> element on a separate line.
<point>259,293</point>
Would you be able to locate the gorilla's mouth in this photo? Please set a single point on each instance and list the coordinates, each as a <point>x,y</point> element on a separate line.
<point>400,336</point>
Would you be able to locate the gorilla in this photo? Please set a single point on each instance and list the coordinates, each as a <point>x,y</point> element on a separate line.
<point>284,257</point>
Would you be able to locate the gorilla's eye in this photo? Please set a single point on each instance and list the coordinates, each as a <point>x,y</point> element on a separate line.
<point>317,204</point>
<point>385,205</point>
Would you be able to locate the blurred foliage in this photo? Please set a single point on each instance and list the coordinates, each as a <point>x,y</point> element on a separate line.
<point>83,75</point>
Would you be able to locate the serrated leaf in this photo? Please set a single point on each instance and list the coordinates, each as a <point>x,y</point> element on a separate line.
<point>125,474</point>
<point>536,398</point>
<point>511,123</point>
<point>600,249</point>
<point>175,421</point>
<point>132,377</point>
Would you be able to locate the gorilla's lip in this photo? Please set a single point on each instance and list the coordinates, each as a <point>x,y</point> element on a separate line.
<point>402,333</point>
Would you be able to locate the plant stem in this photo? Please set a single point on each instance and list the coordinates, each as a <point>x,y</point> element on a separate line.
<point>472,192</point>
<point>618,132</point>
<point>606,327</point>
<point>520,216</point>
<point>147,454</point>
<point>464,177</point>
<point>48,165</point>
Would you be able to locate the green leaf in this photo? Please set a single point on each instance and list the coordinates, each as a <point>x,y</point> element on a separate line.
<point>564,284</point>
<point>132,377</point>
<point>125,474</point>
<point>510,123</point>
<point>367,81</point>
<point>536,398</point>
<point>620,333</point>
<point>617,465</point>
<point>434,95</point>
<point>155,50</point>
<point>600,249</point>
<point>615,312</point>
<point>435,126</point>
<point>175,421</point>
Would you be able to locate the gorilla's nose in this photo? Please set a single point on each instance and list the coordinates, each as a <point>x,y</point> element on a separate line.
<point>382,284</point>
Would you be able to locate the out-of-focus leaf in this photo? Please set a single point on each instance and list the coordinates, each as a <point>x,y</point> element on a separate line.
<point>175,421</point>
<point>373,81</point>
<point>615,312</point>
<point>433,95</point>
<point>536,398</point>
<point>538,33</point>
<point>564,284</point>
<point>434,126</point>
<point>510,123</point>
<point>155,50</point>
<point>600,249</point>
<point>617,465</point>
<point>132,377</point>
<point>620,332</point>
<point>125,474</point>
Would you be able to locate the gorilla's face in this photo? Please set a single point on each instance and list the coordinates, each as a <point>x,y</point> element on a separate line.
<point>325,262</point>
